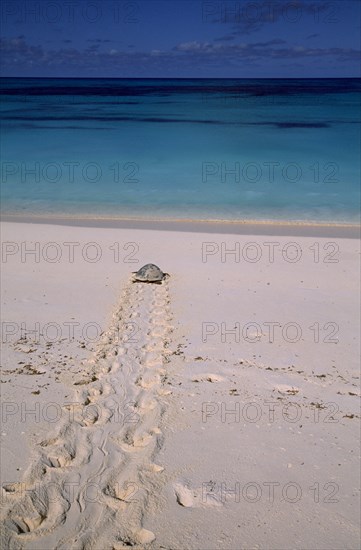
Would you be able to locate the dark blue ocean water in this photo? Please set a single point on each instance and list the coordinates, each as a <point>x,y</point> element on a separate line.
<point>269,149</point>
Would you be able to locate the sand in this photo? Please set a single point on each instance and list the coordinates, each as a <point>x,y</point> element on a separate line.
<point>219,409</point>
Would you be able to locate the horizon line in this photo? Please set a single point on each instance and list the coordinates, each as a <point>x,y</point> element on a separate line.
<point>191,77</point>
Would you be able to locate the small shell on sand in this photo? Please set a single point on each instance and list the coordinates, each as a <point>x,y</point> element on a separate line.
<point>144,536</point>
<point>156,468</point>
<point>184,496</point>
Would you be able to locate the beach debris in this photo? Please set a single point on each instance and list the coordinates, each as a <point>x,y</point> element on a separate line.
<point>144,536</point>
<point>149,273</point>
<point>156,468</point>
<point>25,349</point>
<point>208,378</point>
<point>183,495</point>
<point>289,390</point>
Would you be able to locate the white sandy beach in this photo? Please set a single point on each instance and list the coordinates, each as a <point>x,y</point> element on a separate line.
<point>218,410</point>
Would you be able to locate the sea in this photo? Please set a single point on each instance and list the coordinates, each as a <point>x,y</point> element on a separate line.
<point>187,149</point>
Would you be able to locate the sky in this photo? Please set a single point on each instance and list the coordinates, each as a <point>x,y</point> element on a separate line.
<point>180,38</point>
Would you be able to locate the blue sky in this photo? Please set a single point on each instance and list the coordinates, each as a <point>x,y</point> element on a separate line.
<point>181,38</point>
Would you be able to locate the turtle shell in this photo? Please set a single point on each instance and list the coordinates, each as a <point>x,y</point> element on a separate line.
<point>149,273</point>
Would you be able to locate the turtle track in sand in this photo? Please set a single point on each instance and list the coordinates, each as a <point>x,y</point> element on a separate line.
<point>89,482</point>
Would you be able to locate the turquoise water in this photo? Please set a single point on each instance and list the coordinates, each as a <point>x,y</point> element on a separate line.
<point>195,149</point>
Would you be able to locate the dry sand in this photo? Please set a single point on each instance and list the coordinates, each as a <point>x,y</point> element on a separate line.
<point>219,409</point>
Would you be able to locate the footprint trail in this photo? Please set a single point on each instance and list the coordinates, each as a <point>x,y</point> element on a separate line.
<point>89,483</point>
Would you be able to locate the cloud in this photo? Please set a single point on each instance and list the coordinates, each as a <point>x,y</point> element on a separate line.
<point>267,49</point>
<point>14,49</point>
<point>274,42</point>
<point>193,46</point>
<point>226,38</point>
<point>19,57</point>
<point>98,40</point>
<point>248,17</point>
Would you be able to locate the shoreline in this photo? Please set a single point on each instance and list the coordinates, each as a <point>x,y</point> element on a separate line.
<point>238,227</point>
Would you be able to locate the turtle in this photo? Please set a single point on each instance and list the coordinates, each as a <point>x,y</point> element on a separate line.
<point>149,273</point>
